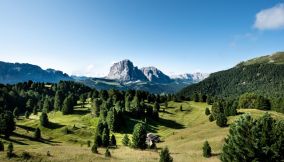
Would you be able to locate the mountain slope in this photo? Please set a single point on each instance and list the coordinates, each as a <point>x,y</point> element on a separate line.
<point>125,71</point>
<point>155,75</point>
<point>16,72</point>
<point>258,75</point>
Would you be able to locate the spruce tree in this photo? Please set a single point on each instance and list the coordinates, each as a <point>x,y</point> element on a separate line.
<point>211,118</point>
<point>1,146</point>
<point>157,106</point>
<point>95,149</point>
<point>67,106</point>
<point>37,134</point>
<point>10,150</point>
<point>207,111</point>
<point>58,101</point>
<point>165,155</point>
<point>7,123</point>
<point>107,153</point>
<point>206,149</point>
<point>221,120</point>
<point>27,115</point>
<point>46,106</point>
<point>105,137</point>
<point>239,147</point>
<point>16,112</point>
<point>44,120</point>
<point>113,140</point>
<point>125,140</point>
<point>139,136</point>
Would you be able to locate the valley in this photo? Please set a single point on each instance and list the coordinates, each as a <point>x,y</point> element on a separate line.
<point>183,132</point>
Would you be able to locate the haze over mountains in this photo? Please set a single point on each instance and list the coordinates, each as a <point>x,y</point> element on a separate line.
<point>122,75</point>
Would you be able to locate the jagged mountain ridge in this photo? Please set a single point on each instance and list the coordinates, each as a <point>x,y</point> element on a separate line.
<point>125,71</point>
<point>11,73</point>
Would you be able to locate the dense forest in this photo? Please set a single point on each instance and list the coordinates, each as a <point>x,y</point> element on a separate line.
<point>263,79</point>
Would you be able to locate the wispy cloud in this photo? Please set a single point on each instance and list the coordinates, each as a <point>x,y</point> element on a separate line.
<point>247,37</point>
<point>271,18</point>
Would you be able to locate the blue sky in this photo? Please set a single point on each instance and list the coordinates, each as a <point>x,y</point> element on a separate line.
<point>177,36</point>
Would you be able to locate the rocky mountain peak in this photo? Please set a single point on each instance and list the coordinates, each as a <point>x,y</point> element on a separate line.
<point>125,71</point>
<point>155,75</point>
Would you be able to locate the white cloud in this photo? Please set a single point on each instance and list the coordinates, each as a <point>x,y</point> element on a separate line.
<point>271,18</point>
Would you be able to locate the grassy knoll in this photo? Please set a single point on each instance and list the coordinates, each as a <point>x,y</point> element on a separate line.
<point>182,131</point>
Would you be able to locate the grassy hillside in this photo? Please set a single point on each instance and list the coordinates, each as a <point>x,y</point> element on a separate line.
<point>182,131</point>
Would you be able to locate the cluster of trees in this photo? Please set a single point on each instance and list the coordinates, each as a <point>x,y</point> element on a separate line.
<point>264,79</point>
<point>220,110</point>
<point>254,140</point>
<point>31,97</point>
<point>254,101</point>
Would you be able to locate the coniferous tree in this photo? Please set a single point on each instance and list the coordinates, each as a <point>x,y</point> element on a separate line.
<point>165,155</point>
<point>239,147</point>
<point>207,111</point>
<point>44,119</point>
<point>113,140</point>
<point>221,120</point>
<point>105,137</point>
<point>35,110</point>
<point>46,106</point>
<point>95,149</point>
<point>107,153</point>
<point>211,118</point>
<point>10,150</point>
<point>157,106</point>
<point>7,123</point>
<point>27,115</point>
<point>180,108</point>
<point>1,146</point>
<point>139,136</point>
<point>16,112</point>
<point>67,106</point>
<point>125,140</point>
<point>37,134</point>
<point>96,106</point>
<point>206,149</point>
<point>58,101</point>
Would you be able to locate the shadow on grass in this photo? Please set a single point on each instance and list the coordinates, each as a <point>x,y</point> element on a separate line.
<point>14,141</point>
<point>26,128</point>
<point>81,112</point>
<point>166,112</point>
<point>54,125</point>
<point>166,123</point>
<point>41,140</point>
<point>215,154</point>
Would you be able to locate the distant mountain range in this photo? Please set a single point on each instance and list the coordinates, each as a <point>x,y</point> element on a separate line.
<point>11,73</point>
<point>123,75</point>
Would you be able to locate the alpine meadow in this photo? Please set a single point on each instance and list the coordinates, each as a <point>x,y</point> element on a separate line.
<point>141,81</point>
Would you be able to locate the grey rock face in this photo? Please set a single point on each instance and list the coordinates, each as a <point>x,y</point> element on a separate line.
<point>155,75</point>
<point>125,71</point>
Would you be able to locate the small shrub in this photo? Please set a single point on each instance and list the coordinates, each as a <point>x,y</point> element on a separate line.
<point>89,143</point>
<point>207,111</point>
<point>206,149</point>
<point>165,155</point>
<point>107,153</point>
<point>37,134</point>
<point>95,149</point>
<point>48,153</point>
<point>113,141</point>
<point>125,140</point>
<point>211,118</point>
<point>26,156</point>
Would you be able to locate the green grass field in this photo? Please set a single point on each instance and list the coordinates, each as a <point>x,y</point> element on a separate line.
<point>182,131</point>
